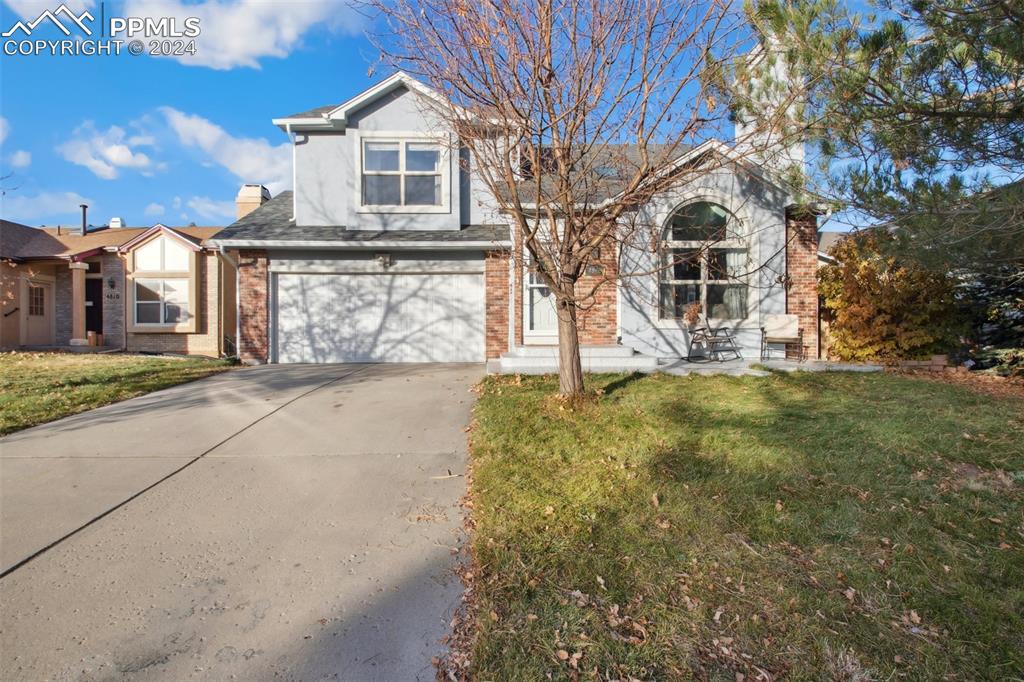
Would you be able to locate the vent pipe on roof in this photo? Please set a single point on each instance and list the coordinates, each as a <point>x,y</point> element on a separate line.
<point>85,228</point>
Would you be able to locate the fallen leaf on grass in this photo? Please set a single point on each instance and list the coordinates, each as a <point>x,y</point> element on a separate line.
<point>850,594</point>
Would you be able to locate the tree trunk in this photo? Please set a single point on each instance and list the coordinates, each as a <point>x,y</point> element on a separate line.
<point>570,369</point>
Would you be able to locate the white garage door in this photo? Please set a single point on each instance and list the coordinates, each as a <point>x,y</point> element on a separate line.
<point>379,318</point>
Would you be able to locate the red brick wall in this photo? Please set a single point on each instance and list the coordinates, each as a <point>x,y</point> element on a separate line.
<point>254,345</point>
<point>802,277</point>
<point>597,318</point>
<point>496,301</point>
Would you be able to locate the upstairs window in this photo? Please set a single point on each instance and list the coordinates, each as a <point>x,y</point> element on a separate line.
<point>704,261</point>
<point>162,255</point>
<point>401,173</point>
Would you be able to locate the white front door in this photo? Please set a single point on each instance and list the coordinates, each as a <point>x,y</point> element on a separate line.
<point>416,317</point>
<point>540,321</point>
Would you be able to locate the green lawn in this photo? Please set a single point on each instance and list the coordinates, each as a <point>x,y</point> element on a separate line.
<point>40,387</point>
<point>806,526</point>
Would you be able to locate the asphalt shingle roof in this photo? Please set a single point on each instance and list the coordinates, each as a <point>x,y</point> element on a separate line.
<point>273,222</point>
<point>23,241</point>
<point>316,112</point>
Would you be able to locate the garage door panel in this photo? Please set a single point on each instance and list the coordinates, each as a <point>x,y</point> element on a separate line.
<point>380,318</point>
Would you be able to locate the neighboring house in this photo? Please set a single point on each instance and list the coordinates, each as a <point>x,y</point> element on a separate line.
<point>156,289</point>
<point>388,250</point>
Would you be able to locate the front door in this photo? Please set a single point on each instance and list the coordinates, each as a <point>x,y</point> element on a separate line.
<point>94,305</point>
<point>39,317</point>
<point>540,321</point>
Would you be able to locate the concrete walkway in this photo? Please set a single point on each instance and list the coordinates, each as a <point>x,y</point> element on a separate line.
<point>312,538</point>
<point>756,368</point>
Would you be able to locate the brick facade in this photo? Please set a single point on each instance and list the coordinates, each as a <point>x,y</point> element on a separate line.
<point>598,313</point>
<point>597,317</point>
<point>496,302</point>
<point>112,266</point>
<point>62,306</point>
<point>802,276</point>
<point>253,313</point>
<point>208,335</point>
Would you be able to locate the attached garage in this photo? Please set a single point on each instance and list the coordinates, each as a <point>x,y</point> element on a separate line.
<point>373,308</point>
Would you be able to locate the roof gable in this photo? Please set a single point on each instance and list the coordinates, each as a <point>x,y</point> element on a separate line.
<point>336,117</point>
<point>159,229</point>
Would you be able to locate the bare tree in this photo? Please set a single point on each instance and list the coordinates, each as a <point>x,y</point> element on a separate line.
<point>575,113</point>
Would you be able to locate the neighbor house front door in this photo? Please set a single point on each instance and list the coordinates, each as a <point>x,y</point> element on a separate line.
<point>94,305</point>
<point>39,314</point>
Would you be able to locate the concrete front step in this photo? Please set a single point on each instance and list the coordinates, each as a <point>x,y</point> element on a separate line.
<point>606,351</point>
<point>544,360</point>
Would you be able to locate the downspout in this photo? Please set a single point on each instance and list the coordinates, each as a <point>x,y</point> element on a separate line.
<point>295,200</point>
<point>238,301</point>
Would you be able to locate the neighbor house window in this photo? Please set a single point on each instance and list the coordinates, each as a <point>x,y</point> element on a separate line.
<point>36,301</point>
<point>161,301</point>
<point>704,261</point>
<point>401,173</point>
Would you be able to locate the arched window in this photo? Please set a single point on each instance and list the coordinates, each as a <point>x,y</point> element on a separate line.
<point>704,261</point>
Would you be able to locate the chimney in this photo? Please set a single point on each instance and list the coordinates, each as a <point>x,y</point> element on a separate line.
<point>249,198</point>
<point>85,227</point>
<point>116,222</point>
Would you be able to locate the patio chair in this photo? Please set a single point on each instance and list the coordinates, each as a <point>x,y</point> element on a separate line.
<point>781,329</point>
<point>719,342</point>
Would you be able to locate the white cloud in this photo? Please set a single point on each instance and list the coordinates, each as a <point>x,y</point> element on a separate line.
<point>105,152</point>
<point>20,159</point>
<point>211,209</point>
<point>51,206</point>
<point>154,210</point>
<point>249,159</point>
<point>5,128</point>
<point>239,32</point>
<point>176,203</point>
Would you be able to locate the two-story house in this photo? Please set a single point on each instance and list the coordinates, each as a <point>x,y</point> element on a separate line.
<point>387,250</point>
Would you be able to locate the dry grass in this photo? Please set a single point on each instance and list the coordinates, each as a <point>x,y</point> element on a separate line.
<point>807,526</point>
<point>40,387</point>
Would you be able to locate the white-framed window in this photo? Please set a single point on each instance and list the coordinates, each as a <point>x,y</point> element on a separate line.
<point>161,301</point>
<point>36,301</point>
<point>402,173</point>
<point>704,261</point>
<point>162,255</point>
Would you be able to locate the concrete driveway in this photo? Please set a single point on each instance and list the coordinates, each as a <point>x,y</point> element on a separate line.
<point>296,522</point>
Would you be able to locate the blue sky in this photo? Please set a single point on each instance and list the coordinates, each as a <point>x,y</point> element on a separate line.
<point>155,139</point>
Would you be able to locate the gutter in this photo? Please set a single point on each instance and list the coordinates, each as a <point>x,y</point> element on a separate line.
<point>362,245</point>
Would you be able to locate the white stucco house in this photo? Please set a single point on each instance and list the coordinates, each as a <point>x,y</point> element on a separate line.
<point>389,250</point>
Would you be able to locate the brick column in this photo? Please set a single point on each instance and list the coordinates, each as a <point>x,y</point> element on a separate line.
<point>78,335</point>
<point>496,297</point>
<point>802,275</point>
<point>598,314</point>
<point>253,314</point>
